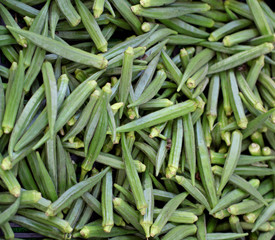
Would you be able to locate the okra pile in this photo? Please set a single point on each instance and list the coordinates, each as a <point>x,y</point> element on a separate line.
<point>128,119</point>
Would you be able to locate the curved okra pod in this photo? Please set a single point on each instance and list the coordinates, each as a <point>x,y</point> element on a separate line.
<point>230,27</point>
<point>254,71</point>
<point>9,20</point>
<point>129,214</point>
<point>159,116</point>
<point>151,90</point>
<point>170,11</point>
<point>26,117</point>
<point>133,177</point>
<point>73,193</point>
<point>69,12</point>
<point>15,94</point>
<point>36,27</point>
<point>212,101</point>
<point>180,232</point>
<point>247,92</point>
<point>204,166</point>
<point>240,58</point>
<point>231,159</point>
<point>70,106</point>
<point>51,95</point>
<point>193,81</point>
<point>176,148</point>
<point>126,77</point>
<point>166,213</point>
<point>54,15</point>
<point>92,26</point>
<point>239,37</point>
<point>124,8</point>
<point>63,50</point>
<point>189,144</point>
<point>107,205</point>
<point>236,102</point>
<point>195,64</point>
<point>259,17</point>
<point>193,191</point>
<point>97,140</point>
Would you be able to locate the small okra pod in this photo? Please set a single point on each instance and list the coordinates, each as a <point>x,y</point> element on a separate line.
<point>189,143</point>
<point>63,50</point>
<point>151,90</point>
<point>133,177</point>
<point>84,118</point>
<point>155,3</point>
<point>180,232</point>
<point>40,217</point>
<point>268,83</point>
<point>73,193</point>
<point>36,27</point>
<point>195,64</point>
<point>231,159</point>
<point>254,71</point>
<point>126,77</point>
<point>232,197</point>
<point>217,16</point>
<point>97,232</point>
<point>156,104</point>
<point>193,81</point>
<point>240,58</point>
<point>175,72</point>
<point>54,15</point>
<point>147,219</point>
<point>8,213</point>
<point>212,102</point>
<point>166,213</point>
<point>239,37</point>
<point>51,95</point>
<point>224,236</point>
<point>179,216</point>
<point>236,102</point>
<point>244,207</point>
<point>198,20</point>
<point>163,147</point>
<point>201,228</point>
<point>98,8</point>
<point>69,12</point>
<point>107,205</point>
<point>176,148</point>
<point>9,20</point>
<point>184,28</point>
<point>170,11</point>
<point>193,191</point>
<point>15,94</point>
<point>2,105</point>
<point>37,227</point>
<point>98,140</point>
<point>247,92</point>
<point>230,27</point>
<point>160,116</point>
<point>72,103</point>
<point>25,118</point>
<point>74,212</point>
<point>259,17</point>
<point>10,53</point>
<point>124,8</point>
<point>92,26</point>
<point>265,215</point>
<point>205,166</point>
<point>129,214</point>
<point>252,216</point>
<point>25,176</point>
<point>10,181</point>
<point>61,166</point>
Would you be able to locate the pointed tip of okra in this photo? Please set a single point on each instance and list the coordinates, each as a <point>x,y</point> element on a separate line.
<point>211,120</point>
